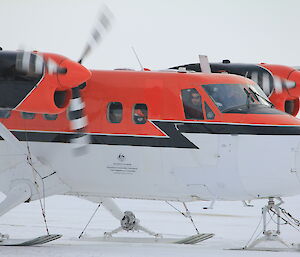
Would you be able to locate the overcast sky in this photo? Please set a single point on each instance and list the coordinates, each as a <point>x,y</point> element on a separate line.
<point>163,32</point>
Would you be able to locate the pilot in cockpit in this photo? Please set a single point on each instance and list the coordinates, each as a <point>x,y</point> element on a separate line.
<point>194,108</point>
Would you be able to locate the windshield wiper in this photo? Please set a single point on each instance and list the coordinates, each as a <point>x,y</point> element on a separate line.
<point>248,98</point>
<point>258,95</point>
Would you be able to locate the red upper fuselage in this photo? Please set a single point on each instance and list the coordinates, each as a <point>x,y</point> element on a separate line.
<point>160,91</point>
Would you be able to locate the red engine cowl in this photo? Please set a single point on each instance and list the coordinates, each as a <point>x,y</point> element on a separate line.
<point>288,99</point>
<point>52,93</point>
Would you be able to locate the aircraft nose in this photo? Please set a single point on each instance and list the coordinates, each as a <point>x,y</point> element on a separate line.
<point>295,77</point>
<point>76,74</point>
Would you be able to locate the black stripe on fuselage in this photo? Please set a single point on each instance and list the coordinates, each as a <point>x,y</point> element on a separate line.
<point>238,129</point>
<point>173,130</point>
<point>173,138</point>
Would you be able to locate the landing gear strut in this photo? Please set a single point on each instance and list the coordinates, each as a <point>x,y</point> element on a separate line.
<point>270,235</point>
<point>130,223</point>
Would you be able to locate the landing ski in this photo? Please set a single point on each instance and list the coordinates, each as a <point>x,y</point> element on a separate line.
<point>165,240</point>
<point>29,242</point>
<point>194,239</point>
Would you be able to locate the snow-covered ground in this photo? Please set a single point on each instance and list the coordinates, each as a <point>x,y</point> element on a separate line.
<point>232,224</point>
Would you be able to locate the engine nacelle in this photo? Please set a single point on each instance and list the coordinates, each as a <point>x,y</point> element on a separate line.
<point>288,99</point>
<point>38,92</point>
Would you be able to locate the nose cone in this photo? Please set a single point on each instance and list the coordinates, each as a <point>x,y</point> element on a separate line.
<point>76,74</point>
<point>295,76</point>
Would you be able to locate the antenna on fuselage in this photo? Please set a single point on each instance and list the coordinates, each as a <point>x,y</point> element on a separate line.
<point>137,57</point>
<point>204,64</point>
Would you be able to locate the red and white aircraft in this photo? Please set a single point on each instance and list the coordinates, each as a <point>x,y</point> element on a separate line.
<point>165,135</point>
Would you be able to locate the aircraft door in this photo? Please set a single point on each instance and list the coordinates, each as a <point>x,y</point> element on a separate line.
<point>192,170</point>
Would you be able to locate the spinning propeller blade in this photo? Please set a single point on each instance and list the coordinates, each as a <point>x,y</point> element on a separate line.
<point>102,26</point>
<point>78,120</point>
<point>33,63</point>
<point>269,82</point>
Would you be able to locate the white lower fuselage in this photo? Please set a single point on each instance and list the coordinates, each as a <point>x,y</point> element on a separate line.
<point>225,167</point>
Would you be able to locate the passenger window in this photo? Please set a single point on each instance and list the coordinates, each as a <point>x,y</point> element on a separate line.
<point>115,112</point>
<point>192,104</point>
<point>50,116</point>
<point>140,113</point>
<point>5,114</point>
<point>28,115</point>
<point>210,115</point>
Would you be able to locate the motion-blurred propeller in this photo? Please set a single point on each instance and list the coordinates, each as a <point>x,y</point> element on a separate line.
<point>269,82</point>
<point>77,116</point>
<point>34,63</point>
<point>102,26</point>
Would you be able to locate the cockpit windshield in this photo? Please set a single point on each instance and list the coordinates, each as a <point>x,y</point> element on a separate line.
<point>235,98</point>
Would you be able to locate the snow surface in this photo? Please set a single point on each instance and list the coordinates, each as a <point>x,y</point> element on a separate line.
<point>232,224</point>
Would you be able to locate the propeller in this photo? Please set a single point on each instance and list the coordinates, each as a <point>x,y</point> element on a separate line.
<point>78,122</point>
<point>76,111</point>
<point>33,63</point>
<point>270,82</point>
<point>102,26</point>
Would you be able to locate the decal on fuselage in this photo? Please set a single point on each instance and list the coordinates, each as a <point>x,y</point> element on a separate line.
<point>121,165</point>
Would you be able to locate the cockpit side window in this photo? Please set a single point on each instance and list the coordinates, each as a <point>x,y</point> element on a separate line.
<point>210,115</point>
<point>192,104</point>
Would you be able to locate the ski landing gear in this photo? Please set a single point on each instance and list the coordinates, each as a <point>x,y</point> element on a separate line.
<point>5,241</point>
<point>130,223</point>
<point>274,210</point>
<point>17,195</point>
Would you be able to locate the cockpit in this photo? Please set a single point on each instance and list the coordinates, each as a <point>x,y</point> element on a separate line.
<point>235,98</point>
<point>228,98</point>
